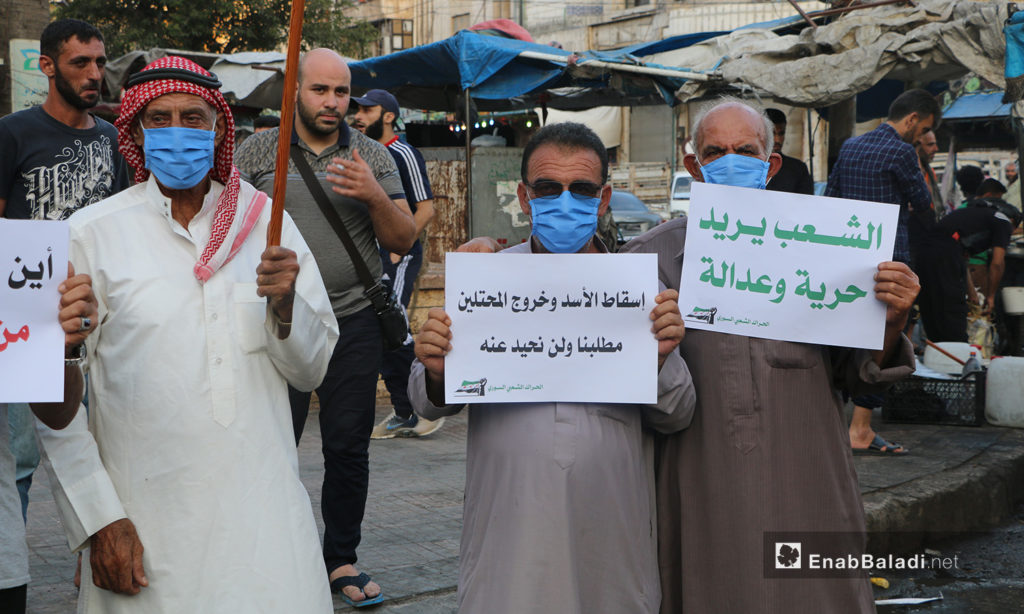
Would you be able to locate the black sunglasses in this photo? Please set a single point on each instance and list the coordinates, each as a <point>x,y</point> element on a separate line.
<point>553,189</point>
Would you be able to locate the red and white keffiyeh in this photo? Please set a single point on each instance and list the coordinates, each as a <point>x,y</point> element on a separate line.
<point>229,230</point>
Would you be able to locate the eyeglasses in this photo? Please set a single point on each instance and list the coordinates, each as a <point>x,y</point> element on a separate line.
<point>553,189</point>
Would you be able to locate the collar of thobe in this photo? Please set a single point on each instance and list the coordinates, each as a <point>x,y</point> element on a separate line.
<point>163,203</point>
<point>598,243</point>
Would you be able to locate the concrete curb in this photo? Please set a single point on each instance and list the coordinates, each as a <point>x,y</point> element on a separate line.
<point>977,494</point>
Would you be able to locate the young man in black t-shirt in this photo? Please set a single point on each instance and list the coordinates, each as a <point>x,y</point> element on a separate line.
<point>54,160</point>
<point>941,264</point>
<point>57,157</point>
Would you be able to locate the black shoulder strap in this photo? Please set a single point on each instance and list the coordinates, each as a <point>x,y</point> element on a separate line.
<point>374,291</point>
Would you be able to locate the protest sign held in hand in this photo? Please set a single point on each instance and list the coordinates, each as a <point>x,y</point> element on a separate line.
<point>33,263</point>
<point>551,327</point>
<point>785,266</point>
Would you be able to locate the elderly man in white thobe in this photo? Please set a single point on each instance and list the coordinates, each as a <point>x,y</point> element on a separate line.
<point>183,481</point>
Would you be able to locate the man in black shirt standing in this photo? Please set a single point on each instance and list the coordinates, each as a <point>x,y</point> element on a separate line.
<point>983,224</point>
<point>793,176</point>
<point>58,157</point>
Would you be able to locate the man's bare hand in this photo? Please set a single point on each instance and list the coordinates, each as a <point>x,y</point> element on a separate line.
<point>275,279</point>
<point>990,304</point>
<point>480,245</point>
<point>668,327</point>
<point>354,178</point>
<point>115,554</point>
<point>896,286</point>
<point>78,308</point>
<point>434,342</point>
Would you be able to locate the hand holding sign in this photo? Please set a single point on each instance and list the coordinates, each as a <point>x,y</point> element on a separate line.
<point>479,245</point>
<point>78,315</point>
<point>432,345</point>
<point>896,286</point>
<point>668,325</point>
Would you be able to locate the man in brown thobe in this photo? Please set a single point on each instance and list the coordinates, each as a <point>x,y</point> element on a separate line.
<point>767,449</point>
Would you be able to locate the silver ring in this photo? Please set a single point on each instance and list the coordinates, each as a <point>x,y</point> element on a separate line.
<point>86,324</point>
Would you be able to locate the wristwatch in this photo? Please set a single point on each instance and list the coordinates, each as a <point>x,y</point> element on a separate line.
<point>76,356</point>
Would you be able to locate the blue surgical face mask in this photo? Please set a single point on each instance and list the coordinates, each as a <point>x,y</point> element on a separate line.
<point>736,170</point>
<point>564,224</point>
<point>179,157</point>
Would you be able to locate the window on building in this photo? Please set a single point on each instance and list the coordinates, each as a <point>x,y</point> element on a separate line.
<point>401,34</point>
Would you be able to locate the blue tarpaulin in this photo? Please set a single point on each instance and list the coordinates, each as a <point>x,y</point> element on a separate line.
<point>433,76</point>
<point>466,60</point>
<point>977,106</point>
<point>1014,63</point>
<point>669,44</point>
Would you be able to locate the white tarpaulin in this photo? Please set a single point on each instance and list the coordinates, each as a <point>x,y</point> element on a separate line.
<point>251,86</point>
<point>249,78</point>
<point>605,121</point>
<point>932,40</point>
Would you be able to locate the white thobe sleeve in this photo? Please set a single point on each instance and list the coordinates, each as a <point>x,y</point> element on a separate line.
<point>676,397</point>
<point>418,395</point>
<point>85,495</point>
<point>303,356</point>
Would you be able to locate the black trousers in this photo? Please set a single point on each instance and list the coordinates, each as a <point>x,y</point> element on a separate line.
<point>347,398</point>
<point>398,363</point>
<point>12,600</point>
<point>943,302</point>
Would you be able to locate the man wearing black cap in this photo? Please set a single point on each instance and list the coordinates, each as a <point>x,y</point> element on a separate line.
<point>376,118</point>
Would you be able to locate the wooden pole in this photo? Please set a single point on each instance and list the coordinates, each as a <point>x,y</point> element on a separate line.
<point>944,352</point>
<point>803,14</point>
<point>284,136</point>
<point>469,167</point>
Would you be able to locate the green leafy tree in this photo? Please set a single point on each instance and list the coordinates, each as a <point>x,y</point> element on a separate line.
<point>219,26</point>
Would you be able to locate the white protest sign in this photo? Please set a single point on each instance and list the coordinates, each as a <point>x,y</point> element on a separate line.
<point>33,262</point>
<point>551,327</point>
<point>785,266</point>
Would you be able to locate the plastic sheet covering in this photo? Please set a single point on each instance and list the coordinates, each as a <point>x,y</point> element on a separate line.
<point>932,40</point>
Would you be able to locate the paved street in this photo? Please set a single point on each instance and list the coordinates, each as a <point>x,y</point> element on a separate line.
<point>410,533</point>
<point>955,479</point>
